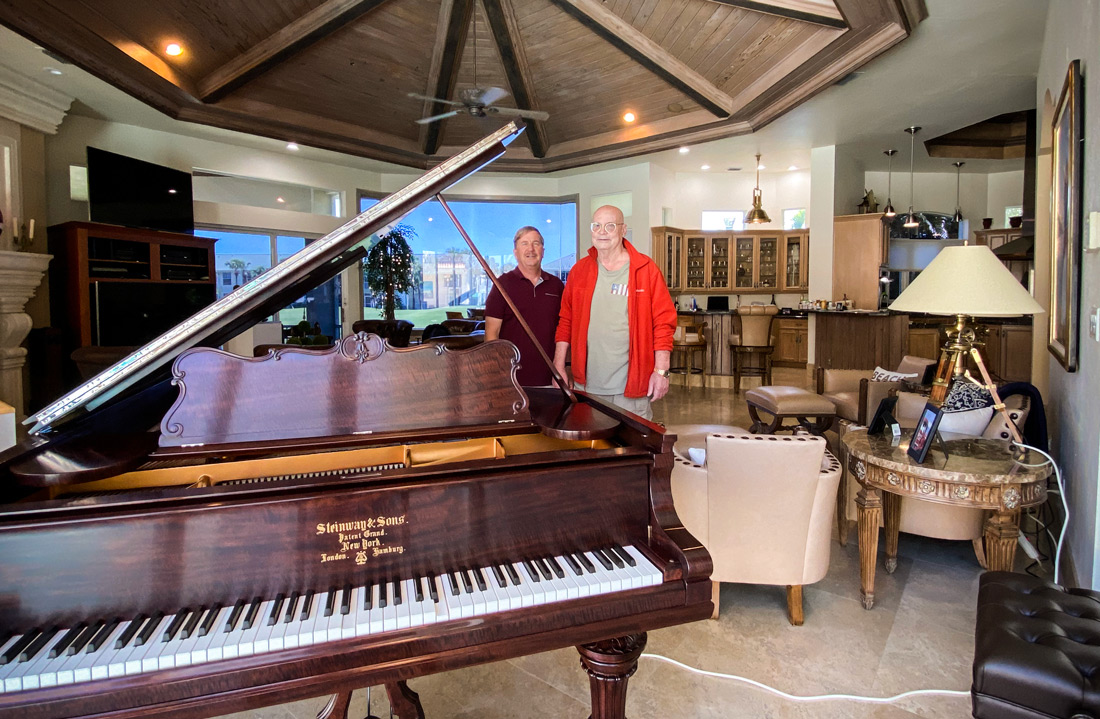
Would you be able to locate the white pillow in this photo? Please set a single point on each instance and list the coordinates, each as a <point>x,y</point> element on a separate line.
<point>972,422</point>
<point>884,375</point>
<point>698,455</point>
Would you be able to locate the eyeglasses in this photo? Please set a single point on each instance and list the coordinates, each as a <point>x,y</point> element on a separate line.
<point>607,226</point>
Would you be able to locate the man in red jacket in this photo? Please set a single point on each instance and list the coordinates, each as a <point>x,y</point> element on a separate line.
<point>618,319</point>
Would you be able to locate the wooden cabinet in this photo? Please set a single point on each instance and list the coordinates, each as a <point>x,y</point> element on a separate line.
<point>119,286</point>
<point>791,340</point>
<point>1007,352</point>
<point>859,250</point>
<point>997,237</point>
<point>925,342</point>
<point>734,262</point>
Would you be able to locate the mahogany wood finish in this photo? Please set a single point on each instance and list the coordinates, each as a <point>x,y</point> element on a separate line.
<point>404,701</point>
<point>846,340</point>
<point>610,664</point>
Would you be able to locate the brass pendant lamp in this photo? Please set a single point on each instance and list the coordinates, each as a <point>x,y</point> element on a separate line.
<point>911,218</point>
<point>757,216</point>
<point>958,209</point>
<point>889,210</point>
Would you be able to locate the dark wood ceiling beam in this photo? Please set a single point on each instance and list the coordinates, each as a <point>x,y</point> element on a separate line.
<point>783,10</point>
<point>450,42</point>
<point>303,32</point>
<point>649,54</point>
<point>502,20</point>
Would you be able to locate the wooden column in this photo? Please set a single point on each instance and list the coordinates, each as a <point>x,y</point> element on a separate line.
<point>1001,536</point>
<point>610,664</point>
<point>891,520</point>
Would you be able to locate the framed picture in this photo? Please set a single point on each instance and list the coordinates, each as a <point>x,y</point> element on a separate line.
<point>925,432</point>
<point>1065,219</point>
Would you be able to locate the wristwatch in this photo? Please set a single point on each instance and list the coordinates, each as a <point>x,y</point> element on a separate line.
<point>662,372</point>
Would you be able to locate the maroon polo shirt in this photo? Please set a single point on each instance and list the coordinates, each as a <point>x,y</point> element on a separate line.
<point>539,305</point>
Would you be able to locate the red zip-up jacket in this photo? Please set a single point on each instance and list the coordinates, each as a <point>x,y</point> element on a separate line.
<point>651,317</point>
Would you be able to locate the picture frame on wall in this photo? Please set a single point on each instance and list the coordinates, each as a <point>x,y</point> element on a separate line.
<point>925,432</point>
<point>1065,219</point>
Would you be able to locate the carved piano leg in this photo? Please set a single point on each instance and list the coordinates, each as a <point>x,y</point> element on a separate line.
<point>337,707</point>
<point>609,665</point>
<point>404,701</point>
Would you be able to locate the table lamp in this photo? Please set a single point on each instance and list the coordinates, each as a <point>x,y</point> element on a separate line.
<point>966,281</point>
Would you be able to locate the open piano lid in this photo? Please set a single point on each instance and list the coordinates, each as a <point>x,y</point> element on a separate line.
<point>269,292</point>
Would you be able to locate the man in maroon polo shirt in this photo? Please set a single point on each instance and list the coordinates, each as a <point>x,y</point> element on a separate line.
<point>537,295</point>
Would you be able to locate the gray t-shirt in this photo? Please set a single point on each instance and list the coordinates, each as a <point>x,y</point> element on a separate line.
<point>608,333</point>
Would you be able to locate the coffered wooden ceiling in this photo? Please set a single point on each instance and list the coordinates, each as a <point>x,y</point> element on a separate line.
<point>336,73</point>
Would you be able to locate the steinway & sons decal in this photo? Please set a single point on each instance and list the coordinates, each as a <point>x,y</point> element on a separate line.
<point>361,539</point>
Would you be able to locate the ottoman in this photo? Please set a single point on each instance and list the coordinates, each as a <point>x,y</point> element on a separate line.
<point>1036,649</point>
<point>786,402</point>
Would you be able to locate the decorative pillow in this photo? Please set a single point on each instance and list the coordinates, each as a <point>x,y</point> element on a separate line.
<point>998,427</point>
<point>698,455</point>
<point>883,375</point>
<point>970,422</point>
<point>966,396</point>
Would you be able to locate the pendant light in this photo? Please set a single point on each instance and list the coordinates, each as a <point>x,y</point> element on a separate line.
<point>958,210</point>
<point>757,216</point>
<point>889,211</point>
<point>911,218</point>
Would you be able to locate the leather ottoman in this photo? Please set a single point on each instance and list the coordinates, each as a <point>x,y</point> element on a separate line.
<point>1036,650</point>
<point>783,402</point>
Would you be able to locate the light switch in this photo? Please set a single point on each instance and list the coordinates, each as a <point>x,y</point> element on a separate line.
<point>1093,231</point>
<point>1094,324</point>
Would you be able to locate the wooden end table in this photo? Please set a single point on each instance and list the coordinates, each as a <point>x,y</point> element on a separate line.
<point>977,472</point>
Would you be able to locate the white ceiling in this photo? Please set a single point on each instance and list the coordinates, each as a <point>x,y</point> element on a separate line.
<point>968,61</point>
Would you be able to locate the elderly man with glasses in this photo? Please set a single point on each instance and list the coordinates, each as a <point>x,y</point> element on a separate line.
<point>618,319</point>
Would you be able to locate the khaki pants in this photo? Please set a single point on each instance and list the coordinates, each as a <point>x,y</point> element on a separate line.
<point>638,405</point>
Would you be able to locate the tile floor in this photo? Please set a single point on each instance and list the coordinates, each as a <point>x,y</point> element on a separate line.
<point>918,636</point>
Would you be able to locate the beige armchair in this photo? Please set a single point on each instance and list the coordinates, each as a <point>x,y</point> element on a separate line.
<point>763,507</point>
<point>856,397</point>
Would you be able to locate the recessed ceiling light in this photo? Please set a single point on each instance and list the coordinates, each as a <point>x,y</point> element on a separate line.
<point>173,49</point>
<point>759,167</point>
<point>792,168</point>
<point>629,117</point>
<point>52,70</point>
<point>171,191</point>
<point>280,200</point>
<point>685,150</point>
<point>705,167</point>
<point>548,220</point>
<point>292,146</point>
<point>430,219</point>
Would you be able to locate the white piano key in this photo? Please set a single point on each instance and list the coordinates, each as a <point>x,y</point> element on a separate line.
<point>150,661</point>
<point>253,640</point>
<point>652,574</point>
<point>84,671</point>
<point>492,602</point>
<point>26,674</point>
<point>304,627</point>
<point>106,654</point>
<point>537,589</point>
<point>442,610</point>
<point>416,610</point>
<point>116,657</point>
<point>572,589</point>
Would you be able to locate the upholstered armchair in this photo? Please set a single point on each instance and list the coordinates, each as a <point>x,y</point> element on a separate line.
<point>857,396</point>
<point>763,507</point>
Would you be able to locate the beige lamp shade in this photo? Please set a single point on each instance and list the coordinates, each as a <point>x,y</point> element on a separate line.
<point>967,280</point>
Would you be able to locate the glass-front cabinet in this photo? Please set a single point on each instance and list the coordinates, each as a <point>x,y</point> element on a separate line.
<point>768,252</point>
<point>745,277</point>
<point>668,248</point>
<point>696,262</point>
<point>794,258</point>
<point>719,263</point>
<point>734,262</point>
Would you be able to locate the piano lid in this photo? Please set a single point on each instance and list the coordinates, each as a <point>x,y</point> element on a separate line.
<point>266,294</point>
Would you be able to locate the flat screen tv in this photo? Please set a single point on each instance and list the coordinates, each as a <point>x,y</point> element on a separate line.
<point>134,193</point>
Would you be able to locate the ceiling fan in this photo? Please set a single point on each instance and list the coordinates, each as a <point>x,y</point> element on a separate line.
<point>478,102</point>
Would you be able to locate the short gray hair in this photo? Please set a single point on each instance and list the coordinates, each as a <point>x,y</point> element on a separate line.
<point>523,231</point>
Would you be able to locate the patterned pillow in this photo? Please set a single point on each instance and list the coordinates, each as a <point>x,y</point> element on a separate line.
<point>971,422</point>
<point>884,375</point>
<point>965,396</point>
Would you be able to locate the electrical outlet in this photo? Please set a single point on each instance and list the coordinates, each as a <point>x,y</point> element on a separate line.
<point>1094,324</point>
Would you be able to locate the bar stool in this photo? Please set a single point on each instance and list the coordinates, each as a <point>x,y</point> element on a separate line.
<point>753,342</point>
<point>690,338</point>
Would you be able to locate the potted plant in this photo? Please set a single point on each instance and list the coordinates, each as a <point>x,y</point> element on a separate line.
<point>389,268</point>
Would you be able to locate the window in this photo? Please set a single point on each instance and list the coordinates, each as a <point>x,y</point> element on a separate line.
<point>723,220</point>
<point>240,256</point>
<point>1010,212</point>
<point>447,273</point>
<point>794,219</point>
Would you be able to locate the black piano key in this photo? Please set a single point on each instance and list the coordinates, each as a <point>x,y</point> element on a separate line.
<point>307,605</point>
<point>601,559</point>
<point>368,597</point>
<point>432,590</point>
<point>128,634</point>
<point>624,554</point>
<point>512,574</point>
<point>22,643</point>
<point>502,582</point>
<point>253,611</point>
<point>276,609</point>
<point>455,589</point>
<point>576,567</point>
<point>556,567</point>
<point>614,557</point>
<point>531,571</point>
<point>383,599</point>
<point>330,602</point>
<point>418,589</point>
<point>397,598</point>
<point>63,643</point>
<point>235,616</point>
<point>38,644</point>
<point>585,562</point>
<point>175,625</point>
<point>291,607</point>
<point>208,621</point>
<point>544,570</point>
<point>345,601</point>
<point>84,637</point>
<point>479,579</point>
<point>466,581</point>
<point>100,637</point>
<point>146,632</point>
<point>191,623</point>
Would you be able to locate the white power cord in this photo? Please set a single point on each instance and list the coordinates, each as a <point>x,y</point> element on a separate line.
<point>1061,494</point>
<point>813,698</point>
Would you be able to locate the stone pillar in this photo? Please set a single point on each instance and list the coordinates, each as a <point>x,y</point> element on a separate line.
<point>20,275</point>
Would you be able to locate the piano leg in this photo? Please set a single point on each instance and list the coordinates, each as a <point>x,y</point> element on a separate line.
<point>610,664</point>
<point>337,707</point>
<point>404,701</point>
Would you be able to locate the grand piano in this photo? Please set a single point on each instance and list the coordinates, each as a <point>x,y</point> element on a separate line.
<point>192,533</point>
